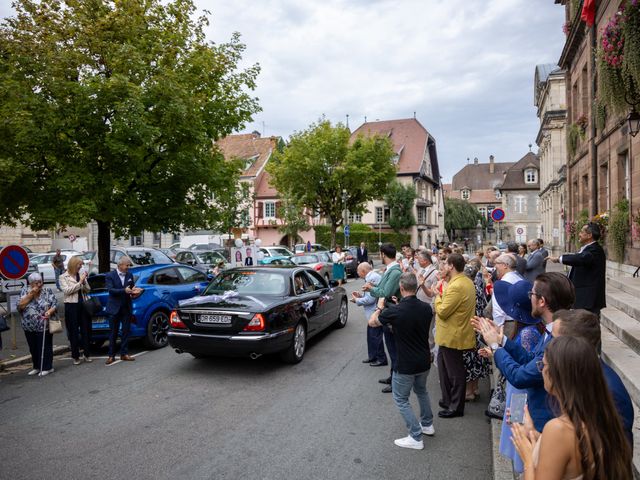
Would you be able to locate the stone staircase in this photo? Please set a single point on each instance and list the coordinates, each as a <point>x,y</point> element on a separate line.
<point>621,342</point>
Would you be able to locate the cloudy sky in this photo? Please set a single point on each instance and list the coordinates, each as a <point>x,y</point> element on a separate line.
<point>466,68</point>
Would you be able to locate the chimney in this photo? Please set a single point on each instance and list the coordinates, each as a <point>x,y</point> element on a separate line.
<point>491,164</point>
<point>256,134</point>
<point>475,161</point>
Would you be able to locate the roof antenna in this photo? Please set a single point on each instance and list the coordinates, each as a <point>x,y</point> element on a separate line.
<point>530,147</point>
<point>414,115</point>
<point>467,160</point>
<point>365,119</point>
<point>347,120</point>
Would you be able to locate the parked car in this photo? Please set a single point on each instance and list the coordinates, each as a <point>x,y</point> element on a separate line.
<point>276,251</point>
<point>90,260</point>
<point>164,286</point>
<point>282,260</point>
<point>351,261</point>
<point>139,256</point>
<point>315,247</point>
<point>202,260</point>
<point>258,310</point>
<point>43,263</point>
<point>319,261</point>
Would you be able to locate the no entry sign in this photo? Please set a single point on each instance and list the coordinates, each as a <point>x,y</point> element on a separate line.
<point>14,262</point>
<point>497,215</point>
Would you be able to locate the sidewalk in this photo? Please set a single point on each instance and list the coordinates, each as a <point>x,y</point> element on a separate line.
<point>10,357</point>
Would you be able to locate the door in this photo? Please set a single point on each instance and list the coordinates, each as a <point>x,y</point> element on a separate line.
<point>310,299</point>
<point>328,300</point>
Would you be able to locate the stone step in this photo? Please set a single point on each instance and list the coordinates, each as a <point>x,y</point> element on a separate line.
<point>629,285</point>
<point>623,301</point>
<point>623,326</point>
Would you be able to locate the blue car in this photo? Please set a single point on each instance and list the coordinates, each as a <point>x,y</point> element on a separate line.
<point>276,260</point>
<point>164,286</point>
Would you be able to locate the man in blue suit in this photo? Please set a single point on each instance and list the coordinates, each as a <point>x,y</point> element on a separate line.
<point>535,263</point>
<point>551,292</point>
<point>121,290</point>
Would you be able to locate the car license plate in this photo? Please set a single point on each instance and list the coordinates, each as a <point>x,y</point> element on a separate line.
<point>214,318</point>
<point>98,320</point>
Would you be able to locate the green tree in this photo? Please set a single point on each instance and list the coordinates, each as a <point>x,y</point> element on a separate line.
<point>109,112</point>
<point>400,199</point>
<point>320,166</point>
<point>459,215</point>
<point>230,206</point>
<point>294,219</point>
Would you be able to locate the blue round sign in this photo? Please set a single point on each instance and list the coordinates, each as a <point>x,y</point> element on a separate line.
<point>347,230</point>
<point>14,262</point>
<point>497,215</point>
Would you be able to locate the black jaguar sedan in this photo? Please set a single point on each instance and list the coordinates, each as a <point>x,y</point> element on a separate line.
<point>256,311</point>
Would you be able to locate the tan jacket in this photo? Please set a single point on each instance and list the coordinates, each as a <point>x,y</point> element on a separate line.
<point>454,310</point>
<point>70,287</point>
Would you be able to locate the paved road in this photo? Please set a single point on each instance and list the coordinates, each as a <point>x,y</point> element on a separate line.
<point>172,416</point>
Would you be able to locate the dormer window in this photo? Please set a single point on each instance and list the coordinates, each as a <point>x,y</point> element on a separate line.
<point>250,161</point>
<point>466,194</point>
<point>531,175</point>
<point>395,159</point>
<point>498,194</point>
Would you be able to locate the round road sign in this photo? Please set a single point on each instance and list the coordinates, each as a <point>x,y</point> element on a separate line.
<point>14,262</point>
<point>72,238</point>
<point>519,231</point>
<point>497,215</point>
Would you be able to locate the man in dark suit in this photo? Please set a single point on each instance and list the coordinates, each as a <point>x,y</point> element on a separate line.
<point>363,254</point>
<point>410,320</point>
<point>535,262</point>
<point>119,283</point>
<point>249,258</point>
<point>588,269</point>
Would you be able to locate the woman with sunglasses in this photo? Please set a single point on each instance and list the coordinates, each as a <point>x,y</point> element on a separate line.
<point>586,440</point>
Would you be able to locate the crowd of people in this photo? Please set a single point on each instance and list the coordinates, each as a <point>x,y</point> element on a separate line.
<point>567,415</point>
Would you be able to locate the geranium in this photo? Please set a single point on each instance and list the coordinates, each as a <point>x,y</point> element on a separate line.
<point>566,28</point>
<point>613,41</point>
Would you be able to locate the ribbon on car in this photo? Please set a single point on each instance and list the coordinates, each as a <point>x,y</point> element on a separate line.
<point>208,299</point>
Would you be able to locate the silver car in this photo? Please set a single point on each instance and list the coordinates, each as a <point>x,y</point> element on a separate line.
<point>321,262</point>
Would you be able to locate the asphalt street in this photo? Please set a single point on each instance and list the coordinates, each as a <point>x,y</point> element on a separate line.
<point>172,416</point>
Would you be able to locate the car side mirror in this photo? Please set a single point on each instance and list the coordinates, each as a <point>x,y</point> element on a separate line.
<point>333,283</point>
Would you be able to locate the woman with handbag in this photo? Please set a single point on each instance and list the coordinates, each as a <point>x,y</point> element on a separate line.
<point>37,305</point>
<point>74,286</point>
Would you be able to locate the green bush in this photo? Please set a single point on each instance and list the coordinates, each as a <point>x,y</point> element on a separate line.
<point>360,234</point>
<point>619,229</point>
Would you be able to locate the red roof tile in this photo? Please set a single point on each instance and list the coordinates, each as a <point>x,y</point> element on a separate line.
<point>248,146</point>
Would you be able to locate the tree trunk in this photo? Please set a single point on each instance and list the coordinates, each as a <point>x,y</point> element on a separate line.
<point>104,246</point>
<point>334,228</point>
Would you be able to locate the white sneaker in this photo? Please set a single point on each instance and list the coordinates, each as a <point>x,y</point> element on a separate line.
<point>428,430</point>
<point>88,359</point>
<point>35,371</point>
<point>45,373</point>
<point>76,361</point>
<point>409,442</point>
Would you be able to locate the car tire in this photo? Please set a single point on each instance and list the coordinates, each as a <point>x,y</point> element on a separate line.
<point>157,329</point>
<point>343,315</point>
<point>294,353</point>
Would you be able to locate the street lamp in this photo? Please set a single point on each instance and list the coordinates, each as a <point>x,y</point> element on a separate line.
<point>634,121</point>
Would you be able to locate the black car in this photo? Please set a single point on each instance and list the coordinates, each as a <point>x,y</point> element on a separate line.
<point>256,311</point>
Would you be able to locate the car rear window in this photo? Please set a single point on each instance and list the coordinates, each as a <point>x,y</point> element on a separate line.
<point>305,259</point>
<point>148,257</point>
<point>247,283</point>
<point>280,251</point>
<point>210,257</point>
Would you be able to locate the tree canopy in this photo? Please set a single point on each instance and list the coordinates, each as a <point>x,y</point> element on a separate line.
<point>109,110</point>
<point>459,215</point>
<point>320,164</point>
<point>400,199</point>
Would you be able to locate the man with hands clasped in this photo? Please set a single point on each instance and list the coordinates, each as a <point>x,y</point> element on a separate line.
<point>375,346</point>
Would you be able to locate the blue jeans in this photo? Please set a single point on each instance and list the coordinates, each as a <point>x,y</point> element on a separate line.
<point>58,272</point>
<point>401,385</point>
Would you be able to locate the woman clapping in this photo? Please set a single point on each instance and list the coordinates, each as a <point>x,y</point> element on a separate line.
<point>74,285</point>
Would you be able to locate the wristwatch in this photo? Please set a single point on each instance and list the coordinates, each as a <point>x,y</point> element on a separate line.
<point>494,346</point>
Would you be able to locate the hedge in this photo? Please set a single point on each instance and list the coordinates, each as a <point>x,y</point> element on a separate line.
<point>359,234</point>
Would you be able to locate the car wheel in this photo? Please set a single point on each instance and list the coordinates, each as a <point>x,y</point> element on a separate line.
<point>296,350</point>
<point>343,315</point>
<point>157,329</point>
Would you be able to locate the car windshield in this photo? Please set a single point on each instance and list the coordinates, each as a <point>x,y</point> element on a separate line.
<point>88,255</point>
<point>280,251</point>
<point>305,259</point>
<point>148,257</point>
<point>210,257</point>
<point>247,283</point>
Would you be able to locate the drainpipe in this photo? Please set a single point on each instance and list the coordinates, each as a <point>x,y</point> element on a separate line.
<point>593,147</point>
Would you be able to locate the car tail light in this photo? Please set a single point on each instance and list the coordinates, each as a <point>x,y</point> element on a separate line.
<point>175,322</point>
<point>256,324</point>
<point>318,267</point>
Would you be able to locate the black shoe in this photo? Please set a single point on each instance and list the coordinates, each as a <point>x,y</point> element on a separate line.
<point>385,381</point>
<point>378,364</point>
<point>449,414</point>
<point>443,405</point>
<point>368,360</point>
<point>387,389</point>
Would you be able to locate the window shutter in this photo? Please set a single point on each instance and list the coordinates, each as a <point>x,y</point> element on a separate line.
<point>277,208</point>
<point>260,209</point>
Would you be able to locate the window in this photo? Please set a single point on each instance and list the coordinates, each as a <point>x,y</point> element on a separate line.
<point>176,237</point>
<point>156,238</point>
<point>379,215</point>
<point>136,241</point>
<point>624,175</point>
<point>483,212</point>
<point>465,194</point>
<point>317,281</point>
<point>519,204</point>
<point>422,215</point>
<point>269,209</point>
<point>355,218</point>
<point>191,276</point>
<point>166,277</point>
<point>387,214</point>
<point>530,175</point>
<point>395,159</point>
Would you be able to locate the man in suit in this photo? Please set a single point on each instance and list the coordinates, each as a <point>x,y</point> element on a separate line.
<point>410,320</point>
<point>363,254</point>
<point>121,290</point>
<point>249,258</point>
<point>535,262</point>
<point>588,269</point>
<point>545,252</point>
<point>388,288</point>
<point>551,292</point>
<point>454,307</point>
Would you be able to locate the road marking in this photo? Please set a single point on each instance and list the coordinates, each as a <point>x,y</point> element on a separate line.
<point>118,361</point>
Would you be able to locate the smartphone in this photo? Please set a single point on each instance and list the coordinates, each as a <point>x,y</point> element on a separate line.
<point>516,407</point>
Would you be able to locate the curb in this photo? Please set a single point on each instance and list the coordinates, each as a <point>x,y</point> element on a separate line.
<point>14,362</point>
<point>502,469</point>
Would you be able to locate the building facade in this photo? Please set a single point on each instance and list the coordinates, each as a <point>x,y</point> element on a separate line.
<point>416,161</point>
<point>550,100</point>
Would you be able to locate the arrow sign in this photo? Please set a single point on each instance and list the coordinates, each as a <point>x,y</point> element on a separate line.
<point>14,262</point>
<point>12,285</point>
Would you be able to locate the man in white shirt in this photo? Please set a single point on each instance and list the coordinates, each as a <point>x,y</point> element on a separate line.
<point>375,345</point>
<point>506,271</point>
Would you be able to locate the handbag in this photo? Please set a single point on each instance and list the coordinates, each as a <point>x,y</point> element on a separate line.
<point>92,306</point>
<point>55,326</point>
<point>4,326</point>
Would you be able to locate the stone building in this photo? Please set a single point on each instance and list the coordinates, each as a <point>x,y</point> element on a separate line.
<point>550,100</point>
<point>416,161</point>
